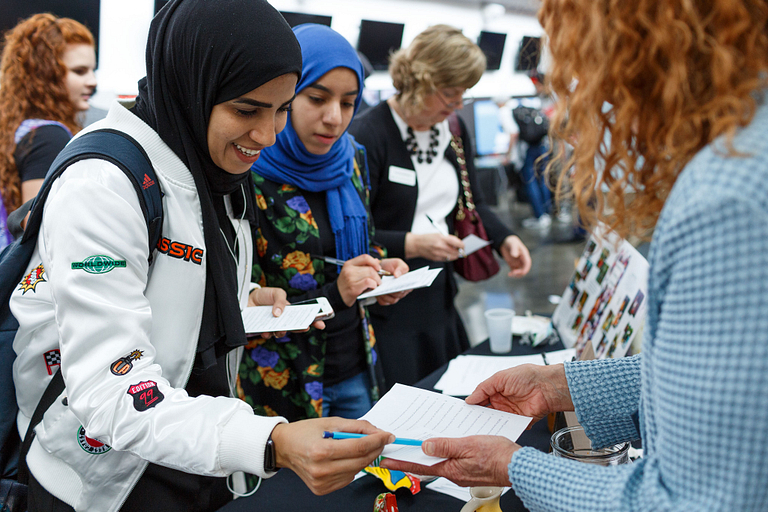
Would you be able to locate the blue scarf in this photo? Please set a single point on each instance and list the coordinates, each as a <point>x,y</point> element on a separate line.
<point>288,161</point>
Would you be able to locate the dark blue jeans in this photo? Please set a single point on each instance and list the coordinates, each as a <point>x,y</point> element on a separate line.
<point>349,398</point>
<point>535,182</point>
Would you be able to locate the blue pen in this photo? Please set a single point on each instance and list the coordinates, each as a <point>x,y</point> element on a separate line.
<point>349,435</point>
<point>336,261</point>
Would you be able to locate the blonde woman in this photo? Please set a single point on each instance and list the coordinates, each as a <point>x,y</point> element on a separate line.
<point>414,188</point>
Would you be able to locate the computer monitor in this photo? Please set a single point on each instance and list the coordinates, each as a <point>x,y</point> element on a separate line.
<point>492,44</point>
<point>299,18</point>
<point>488,134</point>
<point>84,11</point>
<point>378,39</point>
<point>529,54</point>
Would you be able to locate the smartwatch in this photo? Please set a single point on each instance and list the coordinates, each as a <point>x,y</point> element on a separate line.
<point>270,457</point>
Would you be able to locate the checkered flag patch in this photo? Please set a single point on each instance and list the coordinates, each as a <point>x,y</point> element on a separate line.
<point>52,358</point>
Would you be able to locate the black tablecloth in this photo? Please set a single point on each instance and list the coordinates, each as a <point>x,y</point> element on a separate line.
<point>286,492</point>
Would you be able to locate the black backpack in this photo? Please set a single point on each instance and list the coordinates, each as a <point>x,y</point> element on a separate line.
<point>533,124</point>
<point>121,150</point>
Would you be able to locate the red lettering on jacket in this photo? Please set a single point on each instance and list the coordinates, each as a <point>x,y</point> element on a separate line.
<point>180,251</point>
<point>177,250</point>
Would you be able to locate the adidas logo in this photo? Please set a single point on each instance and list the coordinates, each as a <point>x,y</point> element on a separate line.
<point>148,182</point>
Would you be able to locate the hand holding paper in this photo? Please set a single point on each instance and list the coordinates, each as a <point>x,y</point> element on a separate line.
<point>419,278</point>
<point>419,414</point>
<point>479,459</point>
<point>259,319</point>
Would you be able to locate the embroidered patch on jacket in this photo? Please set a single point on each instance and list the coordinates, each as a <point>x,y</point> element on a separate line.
<point>125,364</point>
<point>180,251</point>
<point>31,280</point>
<point>90,445</point>
<point>52,358</point>
<point>145,395</point>
<point>148,182</point>
<point>98,264</point>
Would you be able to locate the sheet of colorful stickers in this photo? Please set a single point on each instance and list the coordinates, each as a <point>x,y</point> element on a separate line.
<point>605,301</point>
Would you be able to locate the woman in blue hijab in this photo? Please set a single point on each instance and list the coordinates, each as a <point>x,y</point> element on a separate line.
<point>312,197</point>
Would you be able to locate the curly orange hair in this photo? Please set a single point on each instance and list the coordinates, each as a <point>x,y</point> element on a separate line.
<point>32,86</point>
<point>643,85</point>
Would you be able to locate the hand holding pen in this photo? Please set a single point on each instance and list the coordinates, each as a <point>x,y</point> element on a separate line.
<point>340,263</point>
<point>361,273</point>
<point>438,246</point>
<point>444,232</point>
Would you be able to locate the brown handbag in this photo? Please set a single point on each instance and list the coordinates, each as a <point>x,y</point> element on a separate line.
<point>480,264</point>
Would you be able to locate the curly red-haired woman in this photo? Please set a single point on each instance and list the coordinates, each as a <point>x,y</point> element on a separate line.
<point>666,103</point>
<point>46,75</point>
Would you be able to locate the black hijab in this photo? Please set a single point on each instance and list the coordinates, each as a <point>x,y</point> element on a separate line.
<point>201,53</point>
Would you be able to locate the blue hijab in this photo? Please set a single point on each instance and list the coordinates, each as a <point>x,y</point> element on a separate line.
<point>288,161</point>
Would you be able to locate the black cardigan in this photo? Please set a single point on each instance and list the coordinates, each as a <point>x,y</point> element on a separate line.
<point>393,205</point>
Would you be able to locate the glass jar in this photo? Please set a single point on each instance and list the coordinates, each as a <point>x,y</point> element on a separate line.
<point>563,442</point>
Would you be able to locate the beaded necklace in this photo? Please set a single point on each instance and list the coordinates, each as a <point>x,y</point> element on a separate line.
<point>413,146</point>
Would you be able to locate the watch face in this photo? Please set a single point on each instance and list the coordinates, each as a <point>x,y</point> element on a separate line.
<point>270,458</point>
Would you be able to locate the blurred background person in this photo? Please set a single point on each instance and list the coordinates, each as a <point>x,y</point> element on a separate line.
<point>532,117</point>
<point>415,178</point>
<point>46,79</point>
<point>312,197</point>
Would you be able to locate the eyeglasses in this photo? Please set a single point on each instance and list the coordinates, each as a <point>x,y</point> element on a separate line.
<point>453,105</point>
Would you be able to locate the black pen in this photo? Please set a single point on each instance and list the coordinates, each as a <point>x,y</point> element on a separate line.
<point>336,261</point>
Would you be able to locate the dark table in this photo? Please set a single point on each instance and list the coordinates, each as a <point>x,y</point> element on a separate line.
<point>285,492</point>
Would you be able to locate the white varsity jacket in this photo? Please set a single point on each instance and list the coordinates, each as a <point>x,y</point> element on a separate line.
<point>125,336</point>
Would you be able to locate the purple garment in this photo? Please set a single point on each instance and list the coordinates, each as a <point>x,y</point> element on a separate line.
<point>28,125</point>
<point>5,235</point>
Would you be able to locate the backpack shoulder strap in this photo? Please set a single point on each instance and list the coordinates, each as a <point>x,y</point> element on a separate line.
<point>123,151</point>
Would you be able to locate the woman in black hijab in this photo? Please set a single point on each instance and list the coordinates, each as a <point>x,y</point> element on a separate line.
<point>148,351</point>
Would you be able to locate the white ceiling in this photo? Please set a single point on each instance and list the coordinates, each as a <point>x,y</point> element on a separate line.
<point>529,7</point>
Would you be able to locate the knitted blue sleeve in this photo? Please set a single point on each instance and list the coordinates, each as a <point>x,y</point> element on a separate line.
<point>704,368</point>
<point>606,396</point>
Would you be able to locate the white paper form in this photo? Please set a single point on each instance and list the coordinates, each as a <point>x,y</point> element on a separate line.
<point>466,372</point>
<point>259,319</point>
<point>420,414</point>
<point>419,278</point>
<point>473,243</point>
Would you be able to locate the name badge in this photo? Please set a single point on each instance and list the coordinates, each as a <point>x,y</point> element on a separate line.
<point>402,176</point>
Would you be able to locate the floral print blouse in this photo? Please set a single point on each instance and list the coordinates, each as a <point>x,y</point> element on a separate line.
<point>284,376</point>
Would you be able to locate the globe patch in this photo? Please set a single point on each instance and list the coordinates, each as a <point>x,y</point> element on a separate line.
<point>90,445</point>
<point>98,264</point>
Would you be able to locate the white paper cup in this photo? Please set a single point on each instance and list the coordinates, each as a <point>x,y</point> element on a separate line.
<point>499,322</point>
